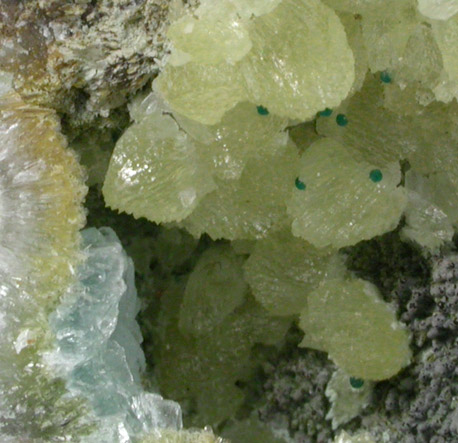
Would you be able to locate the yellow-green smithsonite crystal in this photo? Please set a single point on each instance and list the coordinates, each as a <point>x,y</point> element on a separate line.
<point>349,320</point>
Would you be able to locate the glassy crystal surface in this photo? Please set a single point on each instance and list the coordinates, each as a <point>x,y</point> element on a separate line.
<point>214,289</point>
<point>288,177</point>
<point>339,199</point>
<point>349,320</point>
<point>98,349</point>
<point>282,270</point>
<point>292,82</point>
<point>41,191</point>
<point>156,172</point>
<point>252,206</point>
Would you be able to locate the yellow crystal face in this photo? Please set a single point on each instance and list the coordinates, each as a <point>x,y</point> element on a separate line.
<point>244,132</point>
<point>364,115</point>
<point>187,370</point>
<point>353,29</point>
<point>250,430</point>
<point>446,34</point>
<point>438,9</point>
<point>386,32</point>
<point>184,436</point>
<point>214,289</point>
<point>349,320</point>
<point>41,198</point>
<point>268,65</point>
<point>201,92</point>
<point>282,270</point>
<point>289,80</point>
<point>251,207</point>
<point>342,200</point>
<point>421,60</point>
<point>156,172</point>
<point>249,8</point>
<point>217,34</point>
<point>427,214</point>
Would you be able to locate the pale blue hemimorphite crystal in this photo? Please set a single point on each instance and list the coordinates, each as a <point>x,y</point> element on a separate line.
<point>98,349</point>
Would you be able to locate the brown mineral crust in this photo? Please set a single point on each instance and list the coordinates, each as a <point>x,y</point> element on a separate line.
<point>82,57</point>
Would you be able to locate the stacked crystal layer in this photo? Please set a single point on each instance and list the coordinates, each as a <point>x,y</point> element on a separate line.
<point>98,350</point>
<point>286,131</point>
<point>71,357</point>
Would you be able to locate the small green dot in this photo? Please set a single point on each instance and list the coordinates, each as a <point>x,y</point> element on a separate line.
<point>326,113</point>
<point>262,110</point>
<point>376,175</point>
<point>300,184</point>
<point>356,383</point>
<point>342,120</point>
<point>385,77</point>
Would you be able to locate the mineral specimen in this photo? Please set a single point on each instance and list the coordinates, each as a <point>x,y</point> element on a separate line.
<point>288,173</point>
<point>98,344</point>
<point>347,193</point>
<point>156,171</point>
<point>348,319</point>
<point>348,395</point>
<point>266,65</point>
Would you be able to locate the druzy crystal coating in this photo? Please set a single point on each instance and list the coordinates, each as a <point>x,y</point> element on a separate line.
<point>257,147</point>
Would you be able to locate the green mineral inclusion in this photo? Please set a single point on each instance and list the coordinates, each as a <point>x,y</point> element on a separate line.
<point>376,175</point>
<point>262,110</point>
<point>326,112</point>
<point>385,77</point>
<point>299,184</point>
<point>356,383</point>
<point>341,120</point>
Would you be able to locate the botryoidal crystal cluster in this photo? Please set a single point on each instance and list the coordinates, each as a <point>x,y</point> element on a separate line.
<point>286,173</point>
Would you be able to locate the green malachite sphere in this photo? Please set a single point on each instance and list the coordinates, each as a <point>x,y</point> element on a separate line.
<point>385,77</point>
<point>376,175</point>
<point>300,184</point>
<point>356,383</point>
<point>341,120</point>
<point>325,113</point>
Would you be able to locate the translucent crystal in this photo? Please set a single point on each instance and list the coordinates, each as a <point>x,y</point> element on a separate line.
<point>426,222</point>
<point>438,127</point>
<point>421,60</point>
<point>41,192</point>
<point>247,8</point>
<point>216,34</point>
<point>202,371</point>
<point>342,199</point>
<point>348,397</point>
<point>446,34</point>
<point>349,320</point>
<point>250,207</point>
<point>355,6</point>
<point>365,115</point>
<point>275,73</point>
<point>289,80</point>
<point>185,436</point>
<point>250,430</point>
<point>358,437</point>
<point>386,30</point>
<point>438,9</point>
<point>283,270</point>
<point>243,133</point>
<point>155,171</point>
<point>98,349</point>
<point>201,92</point>
<point>6,82</point>
<point>214,289</point>
<point>353,29</point>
